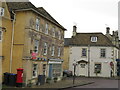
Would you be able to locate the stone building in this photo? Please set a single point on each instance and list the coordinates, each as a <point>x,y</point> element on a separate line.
<point>37,42</point>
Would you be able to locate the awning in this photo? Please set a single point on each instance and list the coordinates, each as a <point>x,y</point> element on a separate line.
<point>82,61</point>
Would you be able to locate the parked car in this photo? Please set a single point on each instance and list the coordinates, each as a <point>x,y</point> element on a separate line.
<point>67,73</point>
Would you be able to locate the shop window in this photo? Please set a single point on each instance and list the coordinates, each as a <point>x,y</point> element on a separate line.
<point>56,70</point>
<point>35,69</point>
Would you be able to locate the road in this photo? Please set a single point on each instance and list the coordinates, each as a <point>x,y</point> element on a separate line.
<point>100,83</point>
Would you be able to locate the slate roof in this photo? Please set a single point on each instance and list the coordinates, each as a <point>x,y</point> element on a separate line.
<point>67,41</point>
<point>13,6</point>
<point>84,39</point>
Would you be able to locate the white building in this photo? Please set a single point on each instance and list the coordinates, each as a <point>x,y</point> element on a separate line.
<point>94,53</point>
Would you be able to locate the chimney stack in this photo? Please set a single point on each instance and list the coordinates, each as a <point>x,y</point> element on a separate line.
<point>107,30</point>
<point>74,30</point>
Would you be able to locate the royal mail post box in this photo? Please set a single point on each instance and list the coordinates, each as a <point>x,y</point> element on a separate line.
<point>19,79</point>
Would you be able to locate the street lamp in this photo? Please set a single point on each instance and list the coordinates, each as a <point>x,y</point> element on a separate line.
<point>74,66</point>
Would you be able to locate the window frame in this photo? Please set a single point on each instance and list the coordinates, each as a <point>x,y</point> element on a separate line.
<point>101,53</point>
<point>94,39</point>
<point>35,71</point>
<point>37,27</point>
<point>36,44</point>
<point>97,70</point>
<point>46,28</point>
<point>45,49</point>
<point>53,31</point>
<point>59,51</point>
<point>85,52</point>
<point>2,11</point>
<point>1,35</point>
<point>53,50</point>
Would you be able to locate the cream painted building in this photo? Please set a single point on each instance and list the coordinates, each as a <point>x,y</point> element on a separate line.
<point>94,54</point>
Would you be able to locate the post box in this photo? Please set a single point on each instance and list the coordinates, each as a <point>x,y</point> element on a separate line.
<point>19,79</point>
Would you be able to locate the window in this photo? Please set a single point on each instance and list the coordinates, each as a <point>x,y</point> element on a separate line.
<point>59,52</point>
<point>37,24</point>
<point>36,46</point>
<point>97,68</point>
<point>82,65</point>
<point>46,28</point>
<point>56,70</point>
<point>93,39</point>
<point>103,53</point>
<point>45,49</point>
<point>1,11</point>
<point>84,52</point>
<point>53,32</point>
<point>35,69</point>
<point>44,69</point>
<point>53,50</point>
<point>59,35</point>
<point>0,35</point>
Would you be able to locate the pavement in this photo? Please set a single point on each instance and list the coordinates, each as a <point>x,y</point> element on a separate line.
<point>65,83</point>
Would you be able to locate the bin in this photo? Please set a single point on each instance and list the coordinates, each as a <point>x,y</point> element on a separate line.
<point>6,78</point>
<point>12,79</point>
<point>41,79</point>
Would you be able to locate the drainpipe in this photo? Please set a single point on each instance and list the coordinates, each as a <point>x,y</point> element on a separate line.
<point>11,53</point>
<point>88,60</point>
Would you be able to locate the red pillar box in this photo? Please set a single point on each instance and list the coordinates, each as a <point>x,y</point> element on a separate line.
<point>19,79</point>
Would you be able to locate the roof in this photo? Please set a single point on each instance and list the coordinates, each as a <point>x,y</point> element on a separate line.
<point>66,41</point>
<point>15,6</point>
<point>84,39</point>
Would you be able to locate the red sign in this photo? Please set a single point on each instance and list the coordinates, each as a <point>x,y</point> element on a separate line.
<point>34,55</point>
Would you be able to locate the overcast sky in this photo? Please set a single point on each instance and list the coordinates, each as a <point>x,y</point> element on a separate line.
<point>88,15</point>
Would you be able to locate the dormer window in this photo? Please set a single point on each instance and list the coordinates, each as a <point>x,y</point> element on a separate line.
<point>93,39</point>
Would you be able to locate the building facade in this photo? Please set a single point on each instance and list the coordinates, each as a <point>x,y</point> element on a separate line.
<point>94,53</point>
<point>5,38</point>
<point>37,42</point>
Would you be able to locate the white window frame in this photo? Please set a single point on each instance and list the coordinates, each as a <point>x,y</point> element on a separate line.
<point>46,28</point>
<point>53,50</point>
<point>2,11</point>
<point>84,51</point>
<point>94,39</point>
<point>37,24</point>
<point>45,49</point>
<point>53,31</point>
<point>36,46</point>
<point>59,35</point>
<point>103,52</point>
<point>59,52</point>
<point>35,71</point>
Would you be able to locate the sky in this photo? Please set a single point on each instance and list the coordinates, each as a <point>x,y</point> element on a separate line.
<point>87,15</point>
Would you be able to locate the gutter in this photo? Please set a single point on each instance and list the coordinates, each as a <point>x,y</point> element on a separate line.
<point>11,53</point>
